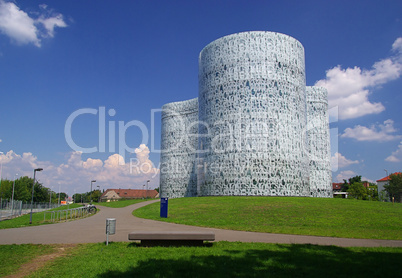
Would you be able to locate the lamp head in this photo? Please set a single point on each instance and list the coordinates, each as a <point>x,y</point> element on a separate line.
<point>38,169</point>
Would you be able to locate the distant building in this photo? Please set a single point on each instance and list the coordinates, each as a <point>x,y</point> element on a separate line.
<point>337,186</point>
<point>384,181</point>
<point>118,194</point>
<point>366,184</point>
<point>337,190</point>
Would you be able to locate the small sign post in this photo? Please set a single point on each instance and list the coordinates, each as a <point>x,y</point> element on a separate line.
<point>164,208</point>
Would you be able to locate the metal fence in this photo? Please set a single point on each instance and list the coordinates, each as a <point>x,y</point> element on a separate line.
<point>60,215</point>
<point>13,208</point>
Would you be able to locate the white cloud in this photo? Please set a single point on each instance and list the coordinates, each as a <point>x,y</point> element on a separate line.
<point>75,175</point>
<point>345,175</point>
<point>17,24</point>
<point>51,23</point>
<point>24,29</point>
<point>381,133</point>
<point>396,156</point>
<point>349,88</point>
<point>397,45</point>
<point>142,160</point>
<point>367,179</point>
<point>339,161</point>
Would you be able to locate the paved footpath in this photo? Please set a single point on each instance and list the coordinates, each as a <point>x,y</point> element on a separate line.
<point>93,229</point>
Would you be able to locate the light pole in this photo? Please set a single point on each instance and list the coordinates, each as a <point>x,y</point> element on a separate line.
<point>99,192</point>
<point>147,187</point>
<point>58,202</point>
<point>50,200</point>
<point>12,198</point>
<point>91,191</point>
<point>1,169</point>
<point>33,185</point>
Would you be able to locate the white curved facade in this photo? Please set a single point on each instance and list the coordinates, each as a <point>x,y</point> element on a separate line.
<point>178,177</point>
<point>252,123</point>
<point>319,142</point>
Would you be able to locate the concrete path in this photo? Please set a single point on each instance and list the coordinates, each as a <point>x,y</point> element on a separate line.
<point>93,229</point>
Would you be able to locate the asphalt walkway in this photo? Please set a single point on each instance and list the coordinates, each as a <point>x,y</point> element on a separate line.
<point>93,229</point>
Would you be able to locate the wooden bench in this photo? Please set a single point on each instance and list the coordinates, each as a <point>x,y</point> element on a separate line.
<point>171,238</point>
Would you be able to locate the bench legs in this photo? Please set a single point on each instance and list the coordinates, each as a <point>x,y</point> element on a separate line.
<point>167,243</point>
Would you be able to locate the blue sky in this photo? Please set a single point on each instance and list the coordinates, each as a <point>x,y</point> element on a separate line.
<point>128,58</point>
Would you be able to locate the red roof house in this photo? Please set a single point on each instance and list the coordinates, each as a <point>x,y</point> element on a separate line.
<point>118,194</point>
<point>384,181</point>
<point>337,186</point>
<point>387,178</point>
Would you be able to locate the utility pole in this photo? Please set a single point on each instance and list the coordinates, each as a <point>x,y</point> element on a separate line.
<point>33,185</point>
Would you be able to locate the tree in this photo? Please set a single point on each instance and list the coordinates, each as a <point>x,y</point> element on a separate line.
<point>78,197</point>
<point>96,194</point>
<point>63,196</point>
<point>394,188</point>
<point>346,184</point>
<point>373,192</point>
<point>358,191</point>
<point>355,179</point>
<point>23,190</point>
<point>6,188</point>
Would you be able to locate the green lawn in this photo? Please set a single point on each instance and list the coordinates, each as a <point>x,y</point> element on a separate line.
<point>289,215</point>
<point>122,203</point>
<point>13,256</point>
<point>222,259</point>
<point>37,218</point>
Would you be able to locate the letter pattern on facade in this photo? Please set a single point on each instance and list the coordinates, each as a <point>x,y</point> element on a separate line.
<point>248,132</point>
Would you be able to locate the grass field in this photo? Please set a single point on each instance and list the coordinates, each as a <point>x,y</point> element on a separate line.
<point>222,259</point>
<point>37,218</point>
<point>121,204</point>
<point>302,216</point>
<point>13,256</point>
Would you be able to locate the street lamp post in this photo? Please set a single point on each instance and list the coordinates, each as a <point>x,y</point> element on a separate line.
<point>50,199</point>
<point>33,185</point>
<point>12,198</point>
<point>58,201</point>
<point>1,169</point>
<point>99,191</point>
<point>91,192</point>
<point>147,187</point>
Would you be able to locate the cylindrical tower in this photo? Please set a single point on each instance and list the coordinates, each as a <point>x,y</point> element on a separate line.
<point>252,110</point>
<point>178,176</point>
<point>319,142</point>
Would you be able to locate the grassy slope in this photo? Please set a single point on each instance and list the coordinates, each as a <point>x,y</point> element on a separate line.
<point>224,259</point>
<point>304,216</point>
<point>37,218</point>
<point>13,256</point>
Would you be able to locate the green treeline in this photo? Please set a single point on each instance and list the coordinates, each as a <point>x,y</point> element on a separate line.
<point>23,191</point>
